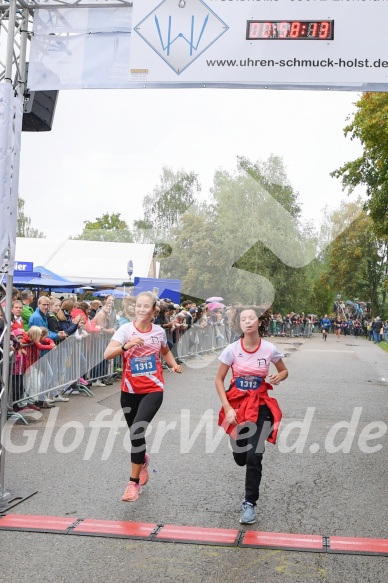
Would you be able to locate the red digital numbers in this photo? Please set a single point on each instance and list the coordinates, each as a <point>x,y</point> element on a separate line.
<point>284,27</point>
<point>295,29</point>
<point>267,30</point>
<point>313,29</point>
<point>324,30</point>
<point>254,30</point>
<point>290,29</point>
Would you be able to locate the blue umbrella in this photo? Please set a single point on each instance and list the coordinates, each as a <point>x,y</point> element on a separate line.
<point>116,293</point>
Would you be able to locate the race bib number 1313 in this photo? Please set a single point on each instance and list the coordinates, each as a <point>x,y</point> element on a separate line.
<point>143,365</point>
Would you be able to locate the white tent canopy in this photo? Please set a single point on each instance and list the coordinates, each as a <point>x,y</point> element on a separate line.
<point>88,262</point>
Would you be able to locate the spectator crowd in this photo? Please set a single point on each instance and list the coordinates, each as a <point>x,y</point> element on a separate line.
<point>57,346</point>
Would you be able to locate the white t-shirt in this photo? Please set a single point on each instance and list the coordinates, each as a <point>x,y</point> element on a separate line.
<point>245,363</point>
<point>143,371</point>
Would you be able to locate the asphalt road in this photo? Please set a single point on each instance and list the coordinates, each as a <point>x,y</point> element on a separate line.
<point>320,478</point>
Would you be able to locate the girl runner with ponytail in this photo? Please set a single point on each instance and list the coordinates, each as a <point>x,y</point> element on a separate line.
<point>141,343</point>
<point>248,414</point>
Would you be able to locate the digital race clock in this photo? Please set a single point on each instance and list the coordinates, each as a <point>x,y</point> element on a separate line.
<point>290,29</point>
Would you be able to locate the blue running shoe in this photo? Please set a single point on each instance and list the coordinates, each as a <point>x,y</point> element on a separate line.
<point>248,513</point>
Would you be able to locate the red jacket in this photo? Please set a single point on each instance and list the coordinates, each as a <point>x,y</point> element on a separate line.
<point>247,404</point>
<point>48,343</point>
<point>90,325</point>
<point>34,352</point>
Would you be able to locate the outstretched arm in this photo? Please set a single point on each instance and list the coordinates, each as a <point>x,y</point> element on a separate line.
<point>170,360</point>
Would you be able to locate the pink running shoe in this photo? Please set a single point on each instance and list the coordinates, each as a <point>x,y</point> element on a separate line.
<point>132,492</point>
<point>83,382</point>
<point>144,475</point>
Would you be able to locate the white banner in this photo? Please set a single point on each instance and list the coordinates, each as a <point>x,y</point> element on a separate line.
<point>263,42</point>
<point>75,48</point>
<point>213,43</point>
<point>11,116</point>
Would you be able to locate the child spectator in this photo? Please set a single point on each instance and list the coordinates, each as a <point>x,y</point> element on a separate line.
<point>35,372</point>
<point>18,369</point>
<point>81,334</point>
<point>45,340</point>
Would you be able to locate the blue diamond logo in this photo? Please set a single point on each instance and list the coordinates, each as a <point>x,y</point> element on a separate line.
<point>180,35</point>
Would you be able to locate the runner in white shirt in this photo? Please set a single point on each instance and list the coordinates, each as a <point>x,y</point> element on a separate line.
<point>248,413</point>
<point>141,343</point>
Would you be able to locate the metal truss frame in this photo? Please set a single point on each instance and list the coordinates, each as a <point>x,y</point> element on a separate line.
<point>16,30</point>
<point>16,23</point>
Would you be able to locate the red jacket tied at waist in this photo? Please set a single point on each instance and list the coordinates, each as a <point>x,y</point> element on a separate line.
<point>246,405</point>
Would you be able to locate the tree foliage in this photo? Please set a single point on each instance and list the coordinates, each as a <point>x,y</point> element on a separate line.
<point>24,228</point>
<point>370,126</point>
<point>216,248</point>
<point>223,246</point>
<point>358,259</point>
<point>170,199</point>
<point>270,181</point>
<point>110,228</point>
<point>163,209</point>
<point>194,253</point>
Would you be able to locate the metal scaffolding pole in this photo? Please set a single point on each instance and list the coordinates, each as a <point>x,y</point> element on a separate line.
<point>15,18</point>
<point>10,140</point>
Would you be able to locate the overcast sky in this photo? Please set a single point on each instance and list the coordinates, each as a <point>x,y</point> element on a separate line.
<point>107,148</point>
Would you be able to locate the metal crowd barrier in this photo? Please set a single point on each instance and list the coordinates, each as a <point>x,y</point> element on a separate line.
<point>199,340</point>
<point>290,330</point>
<point>58,370</point>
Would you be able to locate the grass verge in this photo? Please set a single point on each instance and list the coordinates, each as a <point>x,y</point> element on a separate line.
<point>384,345</point>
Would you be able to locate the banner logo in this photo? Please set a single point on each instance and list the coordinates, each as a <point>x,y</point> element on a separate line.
<point>179,35</point>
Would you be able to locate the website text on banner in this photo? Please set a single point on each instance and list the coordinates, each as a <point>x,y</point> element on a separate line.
<point>211,43</point>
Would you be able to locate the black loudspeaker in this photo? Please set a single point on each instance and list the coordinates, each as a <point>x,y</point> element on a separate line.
<point>38,111</point>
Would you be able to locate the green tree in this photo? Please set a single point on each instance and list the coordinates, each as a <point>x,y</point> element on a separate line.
<point>163,209</point>
<point>170,199</point>
<point>194,253</point>
<point>358,259</point>
<point>241,203</point>
<point>272,176</point>
<point>215,249</point>
<point>142,232</point>
<point>24,228</point>
<point>370,126</point>
<point>322,295</point>
<point>110,228</point>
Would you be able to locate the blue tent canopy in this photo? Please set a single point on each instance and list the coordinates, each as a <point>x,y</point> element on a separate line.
<point>55,278</point>
<point>164,288</point>
<point>25,277</point>
<point>49,280</point>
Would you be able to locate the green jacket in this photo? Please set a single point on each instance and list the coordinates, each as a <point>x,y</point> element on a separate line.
<point>26,315</point>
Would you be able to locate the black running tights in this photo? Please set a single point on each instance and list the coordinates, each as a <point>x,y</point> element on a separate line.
<point>139,410</point>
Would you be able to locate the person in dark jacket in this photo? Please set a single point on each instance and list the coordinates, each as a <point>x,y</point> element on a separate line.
<point>52,318</point>
<point>376,327</point>
<point>66,323</point>
<point>94,307</point>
